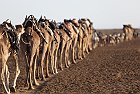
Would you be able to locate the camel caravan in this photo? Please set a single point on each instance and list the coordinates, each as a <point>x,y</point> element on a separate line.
<point>46,42</point>
<point>102,39</point>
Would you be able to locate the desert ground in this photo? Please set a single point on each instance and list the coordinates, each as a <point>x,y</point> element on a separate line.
<point>113,69</point>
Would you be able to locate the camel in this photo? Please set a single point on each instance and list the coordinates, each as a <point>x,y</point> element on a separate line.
<point>91,30</point>
<point>95,39</point>
<point>30,42</point>
<point>8,48</point>
<point>128,30</point>
<point>64,47</point>
<point>74,35</point>
<point>102,39</point>
<point>54,46</point>
<point>122,37</point>
<point>43,25</point>
<point>80,46</point>
<point>86,35</point>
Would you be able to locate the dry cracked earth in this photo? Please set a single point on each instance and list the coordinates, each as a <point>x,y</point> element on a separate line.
<point>106,70</point>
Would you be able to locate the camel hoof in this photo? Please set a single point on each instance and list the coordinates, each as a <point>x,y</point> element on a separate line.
<point>66,66</point>
<point>56,72</point>
<point>37,77</point>
<point>53,73</point>
<point>48,76</point>
<point>74,62</point>
<point>36,83</point>
<point>80,58</point>
<point>69,63</point>
<point>43,79</point>
<point>61,68</point>
<point>31,88</point>
<point>12,89</point>
<point>83,56</point>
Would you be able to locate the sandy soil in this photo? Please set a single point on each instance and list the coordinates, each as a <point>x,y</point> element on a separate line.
<point>106,70</point>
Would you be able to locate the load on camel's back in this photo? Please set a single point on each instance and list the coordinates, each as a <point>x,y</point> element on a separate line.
<point>129,32</point>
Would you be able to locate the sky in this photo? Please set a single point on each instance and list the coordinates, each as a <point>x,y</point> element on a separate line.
<point>103,13</point>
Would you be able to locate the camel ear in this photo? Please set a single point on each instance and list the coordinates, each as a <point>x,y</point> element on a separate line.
<point>124,25</point>
<point>44,17</point>
<point>26,17</point>
<point>129,25</point>
<point>19,26</point>
<point>7,20</point>
<point>41,17</point>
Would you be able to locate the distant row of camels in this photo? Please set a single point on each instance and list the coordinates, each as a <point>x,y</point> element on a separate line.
<point>44,41</point>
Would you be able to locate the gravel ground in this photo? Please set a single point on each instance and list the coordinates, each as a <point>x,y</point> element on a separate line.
<point>106,70</point>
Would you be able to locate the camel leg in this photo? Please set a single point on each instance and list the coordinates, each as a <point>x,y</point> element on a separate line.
<point>86,45</point>
<point>86,48</point>
<point>7,78</point>
<point>47,62</point>
<point>13,89</point>
<point>38,68</point>
<point>30,72</point>
<point>5,82</point>
<point>80,49</point>
<point>66,53</point>
<point>27,68</point>
<point>55,59</point>
<point>83,48</point>
<point>34,68</point>
<point>5,72</point>
<point>90,43</point>
<point>75,48</point>
<point>52,57</point>
<point>73,51</point>
<point>42,61</point>
<point>62,44</point>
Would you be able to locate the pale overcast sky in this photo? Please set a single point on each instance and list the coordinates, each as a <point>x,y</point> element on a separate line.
<point>103,13</point>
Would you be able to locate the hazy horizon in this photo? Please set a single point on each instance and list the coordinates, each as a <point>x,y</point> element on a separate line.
<point>103,14</point>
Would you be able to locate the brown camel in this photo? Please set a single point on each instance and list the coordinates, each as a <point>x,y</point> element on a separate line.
<point>30,47</point>
<point>7,48</point>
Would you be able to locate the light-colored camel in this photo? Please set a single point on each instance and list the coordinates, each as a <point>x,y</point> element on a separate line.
<point>128,30</point>
<point>64,47</point>
<point>5,51</point>
<point>102,38</point>
<point>46,47</point>
<point>54,46</point>
<point>95,39</point>
<point>80,46</point>
<point>91,30</point>
<point>86,36</point>
<point>74,35</point>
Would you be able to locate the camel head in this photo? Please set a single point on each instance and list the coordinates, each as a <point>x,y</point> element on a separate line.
<point>8,25</point>
<point>75,22</point>
<point>19,31</point>
<point>29,21</point>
